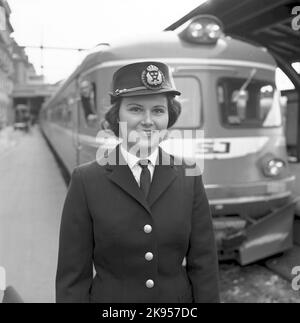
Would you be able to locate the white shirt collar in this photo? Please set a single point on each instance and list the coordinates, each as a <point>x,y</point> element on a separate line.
<point>133,160</point>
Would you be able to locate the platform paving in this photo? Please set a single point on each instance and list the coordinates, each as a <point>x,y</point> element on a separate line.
<point>32,192</point>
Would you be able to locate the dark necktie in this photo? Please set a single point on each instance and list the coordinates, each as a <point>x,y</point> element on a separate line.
<point>145,178</point>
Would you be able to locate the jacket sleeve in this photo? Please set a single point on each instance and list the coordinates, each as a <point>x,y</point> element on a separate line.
<point>202,262</point>
<point>75,257</point>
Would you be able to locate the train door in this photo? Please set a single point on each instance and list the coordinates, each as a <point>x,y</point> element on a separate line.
<point>64,133</point>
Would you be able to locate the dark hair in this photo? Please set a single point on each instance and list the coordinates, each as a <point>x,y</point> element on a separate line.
<point>112,115</point>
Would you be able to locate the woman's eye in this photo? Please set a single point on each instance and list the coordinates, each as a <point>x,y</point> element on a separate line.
<point>135,109</point>
<point>159,111</point>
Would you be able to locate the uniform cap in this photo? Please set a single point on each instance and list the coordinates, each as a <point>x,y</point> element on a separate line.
<point>142,78</point>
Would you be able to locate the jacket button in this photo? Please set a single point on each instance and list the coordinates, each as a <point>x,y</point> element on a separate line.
<point>149,256</point>
<point>147,228</point>
<point>149,283</point>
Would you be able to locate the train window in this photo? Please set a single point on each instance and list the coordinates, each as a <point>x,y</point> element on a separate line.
<point>255,104</point>
<point>88,101</point>
<point>66,114</point>
<point>58,113</point>
<point>190,100</point>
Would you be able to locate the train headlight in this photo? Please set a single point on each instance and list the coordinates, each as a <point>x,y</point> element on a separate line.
<point>213,31</point>
<point>196,30</point>
<point>273,167</point>
<point>204,29</point>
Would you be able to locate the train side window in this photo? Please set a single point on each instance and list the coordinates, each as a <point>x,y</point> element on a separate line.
<point>255,105</point>
<point>88,101</point>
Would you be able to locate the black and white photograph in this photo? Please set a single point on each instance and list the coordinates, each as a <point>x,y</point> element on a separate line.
<point>149,153</point>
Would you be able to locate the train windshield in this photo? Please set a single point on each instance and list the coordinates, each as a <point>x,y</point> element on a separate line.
<point>254,105</point>
<point>190,99</point>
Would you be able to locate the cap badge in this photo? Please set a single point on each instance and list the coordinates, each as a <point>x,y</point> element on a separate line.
<point>152,77</point>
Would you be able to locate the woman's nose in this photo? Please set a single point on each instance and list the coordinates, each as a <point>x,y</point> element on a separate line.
<point>147,119</point>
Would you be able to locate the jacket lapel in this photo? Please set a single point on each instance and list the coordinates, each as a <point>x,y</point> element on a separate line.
<point>164,174</point>
<point>119,172</point>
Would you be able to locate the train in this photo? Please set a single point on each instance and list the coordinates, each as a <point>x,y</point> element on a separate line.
<point>228,92</point>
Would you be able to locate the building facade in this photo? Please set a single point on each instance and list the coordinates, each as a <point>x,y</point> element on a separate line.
<point>19,82</point>
<point>6,65</point>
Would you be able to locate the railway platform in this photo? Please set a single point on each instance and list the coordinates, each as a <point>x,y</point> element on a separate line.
<point>32,191</point>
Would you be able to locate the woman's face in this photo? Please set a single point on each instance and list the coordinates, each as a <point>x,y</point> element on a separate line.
<point>143,118</point>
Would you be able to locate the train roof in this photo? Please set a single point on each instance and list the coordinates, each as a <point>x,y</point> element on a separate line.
<point>169,45</point>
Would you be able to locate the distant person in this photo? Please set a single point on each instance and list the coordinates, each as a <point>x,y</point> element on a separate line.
<point>137,216</point>
<point>88,101</point>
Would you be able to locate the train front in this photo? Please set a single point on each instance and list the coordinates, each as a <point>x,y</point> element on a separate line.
<point>246,171</point>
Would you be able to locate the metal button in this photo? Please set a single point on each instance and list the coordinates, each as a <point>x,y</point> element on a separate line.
<point>149,256</point>
<point>149,283</point>
<point>147,228</point>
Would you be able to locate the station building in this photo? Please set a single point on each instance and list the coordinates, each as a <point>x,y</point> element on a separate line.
<point>29,88</point>
<point>6,65</point>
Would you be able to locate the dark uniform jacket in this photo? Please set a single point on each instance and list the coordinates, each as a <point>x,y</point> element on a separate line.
<point>107,222</point>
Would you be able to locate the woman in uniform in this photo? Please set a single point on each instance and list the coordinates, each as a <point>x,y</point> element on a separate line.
<point>135,216</point>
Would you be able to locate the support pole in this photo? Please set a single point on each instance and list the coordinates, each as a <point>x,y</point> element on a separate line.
<point>288,69</point>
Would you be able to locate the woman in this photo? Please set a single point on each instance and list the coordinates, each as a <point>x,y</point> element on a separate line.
<point>136,216</point>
